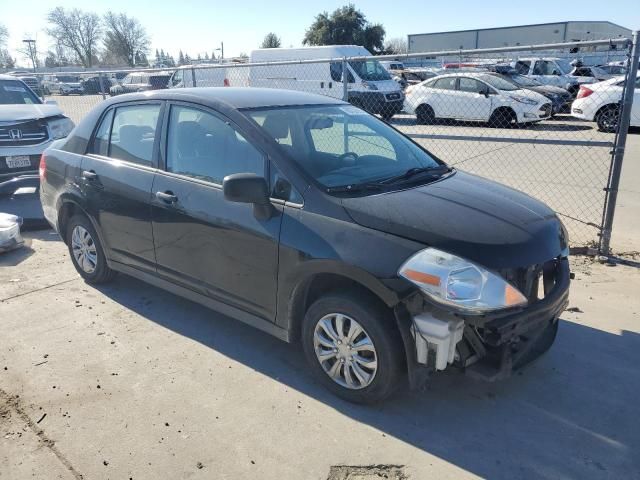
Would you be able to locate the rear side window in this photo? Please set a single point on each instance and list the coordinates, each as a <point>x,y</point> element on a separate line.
<point>133,133</point>
<point>101,140</point>
<point>203,146</point>
<point>448,83</point>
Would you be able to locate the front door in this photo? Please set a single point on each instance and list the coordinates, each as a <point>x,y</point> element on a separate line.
<point>471,103</point>
<point>117,174</point>
<point>203,242</point>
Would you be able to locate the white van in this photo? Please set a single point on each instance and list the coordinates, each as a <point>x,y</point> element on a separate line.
<point>369,87</point>
<point>200,76</point>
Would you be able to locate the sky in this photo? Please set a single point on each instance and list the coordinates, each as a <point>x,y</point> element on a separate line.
<point>199,26</point>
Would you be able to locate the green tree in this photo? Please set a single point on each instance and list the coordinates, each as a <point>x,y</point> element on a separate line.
<point>345,26</point>
<point>271,40</point>
<point>181,59</point>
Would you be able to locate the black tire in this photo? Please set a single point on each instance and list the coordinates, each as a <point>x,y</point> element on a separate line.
<point>503,118</point>
<point>542,344</point>
<point>608,118</point>
<point>379,324</point>
<point>101,273</point>
<point>425,115</point>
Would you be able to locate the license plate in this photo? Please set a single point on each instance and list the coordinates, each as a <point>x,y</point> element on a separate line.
<point>18,161</point>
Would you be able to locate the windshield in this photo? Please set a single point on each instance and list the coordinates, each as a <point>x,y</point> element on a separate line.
<point>499,83</point>
<point>565,66</point>
<point>13,92</point>
<point>370,70</point>
<point>525,81</point>
<point>340,145</point>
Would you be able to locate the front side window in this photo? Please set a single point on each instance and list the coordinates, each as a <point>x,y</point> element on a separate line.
<point>14,92</point>
<point>133,133</point>
<point>177,78</point>
<point>340,145</point>
<point>471,85</point>
<point>201,145</point>
<point>335,68</point>
<point>522,67</point>
<point>447,83</point>
<point>370,70</point>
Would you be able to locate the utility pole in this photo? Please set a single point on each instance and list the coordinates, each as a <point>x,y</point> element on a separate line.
<point>221,50</point>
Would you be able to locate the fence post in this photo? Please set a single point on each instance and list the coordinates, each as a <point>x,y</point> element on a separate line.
<point>619,148</point>
<point>345,80</point>
<point>101,80</point>
<point>193,75</point>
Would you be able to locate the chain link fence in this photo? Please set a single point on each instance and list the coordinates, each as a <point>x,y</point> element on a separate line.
<point>541,119</point>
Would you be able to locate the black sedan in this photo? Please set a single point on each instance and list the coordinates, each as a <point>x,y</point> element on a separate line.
<point>310,219</point>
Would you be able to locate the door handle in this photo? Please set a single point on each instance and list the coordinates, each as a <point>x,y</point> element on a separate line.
<point>167,197</point>
<point>89,175</point>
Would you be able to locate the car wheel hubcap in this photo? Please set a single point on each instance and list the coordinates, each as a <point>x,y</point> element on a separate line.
<point>609,119</point>
<point>84,249</point>
<point>345,351</point>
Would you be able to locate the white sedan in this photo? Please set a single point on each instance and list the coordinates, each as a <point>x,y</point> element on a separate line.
<point>480,97</point>
<point>600,102</point>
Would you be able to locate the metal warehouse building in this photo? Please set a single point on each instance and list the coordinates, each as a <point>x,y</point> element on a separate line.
<point>517,35</point>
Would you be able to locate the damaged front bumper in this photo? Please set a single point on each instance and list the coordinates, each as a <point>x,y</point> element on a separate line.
<point>488,346</point>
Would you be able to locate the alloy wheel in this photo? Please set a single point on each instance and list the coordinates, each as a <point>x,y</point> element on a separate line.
<point>84,249</point>
<point>345,351</point>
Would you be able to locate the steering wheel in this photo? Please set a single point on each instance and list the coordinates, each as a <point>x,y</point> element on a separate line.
<point>348,157</point>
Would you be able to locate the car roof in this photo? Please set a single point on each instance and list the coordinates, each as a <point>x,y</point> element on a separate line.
<point>9,77</point>
<point>237,97</point>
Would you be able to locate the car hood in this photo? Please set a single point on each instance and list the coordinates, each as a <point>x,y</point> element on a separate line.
<point>71,84</point>
<point>527,93</point>
<point>12,113</point>
<point>469,216</point>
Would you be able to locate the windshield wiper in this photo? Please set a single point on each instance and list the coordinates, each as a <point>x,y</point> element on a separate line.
<point>412,172</point>
<point>354,187</point>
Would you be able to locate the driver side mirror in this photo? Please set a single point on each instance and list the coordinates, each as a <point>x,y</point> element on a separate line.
<point>249,188</point>
<point>555,72</point>
<point>485,92</point>
<point>50,102</point>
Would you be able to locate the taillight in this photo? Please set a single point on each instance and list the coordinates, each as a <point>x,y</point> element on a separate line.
<point>584,92</point>
<point>42,169</point>
<point>226,82</point>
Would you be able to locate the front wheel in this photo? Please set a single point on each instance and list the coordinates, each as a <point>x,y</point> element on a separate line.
<point>503,118</point>
<point>353,347</point>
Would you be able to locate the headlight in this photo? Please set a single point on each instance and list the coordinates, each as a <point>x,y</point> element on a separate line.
<point>524,100</point>
<point>369,86</point>
<point>459,283</point>
<point>60,127</point>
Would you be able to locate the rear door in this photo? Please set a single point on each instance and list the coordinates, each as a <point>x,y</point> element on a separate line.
<point>442,97</point>
<point>203,242</point>
<point>116,179</point>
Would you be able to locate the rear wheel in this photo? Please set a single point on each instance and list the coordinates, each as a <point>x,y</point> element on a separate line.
<point>607,118</point>
<point>503,118</point>
<point>353,347</point>
<point>86,251</point>
<point>425,115</point>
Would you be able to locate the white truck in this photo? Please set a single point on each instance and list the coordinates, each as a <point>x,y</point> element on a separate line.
<point>551,71</point>
<point>369,84</point>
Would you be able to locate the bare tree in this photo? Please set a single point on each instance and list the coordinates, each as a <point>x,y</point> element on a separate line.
<point>396,45</point>
<point>77,30</point>
<point>125,37</point>
<point>5,58</point>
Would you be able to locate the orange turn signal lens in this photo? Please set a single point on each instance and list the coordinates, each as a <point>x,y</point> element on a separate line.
<point>513,297</point>
<point>422,277</point>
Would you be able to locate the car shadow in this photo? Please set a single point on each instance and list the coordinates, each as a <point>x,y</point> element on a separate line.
<point>570,414</point>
